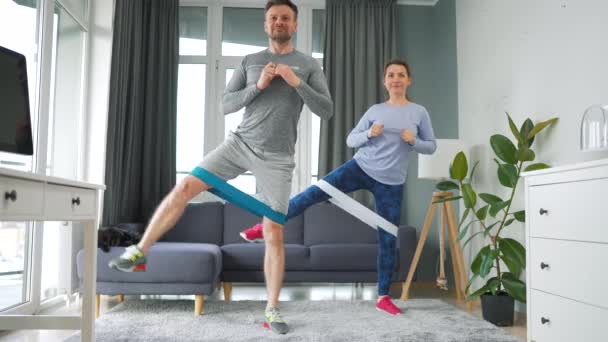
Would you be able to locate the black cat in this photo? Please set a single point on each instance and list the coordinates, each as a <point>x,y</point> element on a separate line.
<point>122,235</point>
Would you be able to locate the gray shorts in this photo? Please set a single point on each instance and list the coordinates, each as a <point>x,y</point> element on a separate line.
<point>272,171</point>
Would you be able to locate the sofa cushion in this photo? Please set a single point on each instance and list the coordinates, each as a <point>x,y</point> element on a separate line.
<point>325,223</point>
<point>344,257</point>
<point>166,263</point>
<point>201,222</point>
<point>237,219</point>
<point>250,256</point>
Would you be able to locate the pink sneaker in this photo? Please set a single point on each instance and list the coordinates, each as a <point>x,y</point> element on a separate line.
<point>253,234</point>
<point>386,304</point>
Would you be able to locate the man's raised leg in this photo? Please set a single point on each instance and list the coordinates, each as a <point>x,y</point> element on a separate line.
<point>170,210</point>
<point>164,218</point>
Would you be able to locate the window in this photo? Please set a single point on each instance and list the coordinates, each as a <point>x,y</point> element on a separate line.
<point>191,88</point>
<point>64,145</point>
<point>193,31</point>
<point>190,117</point>
<point>65,116</point>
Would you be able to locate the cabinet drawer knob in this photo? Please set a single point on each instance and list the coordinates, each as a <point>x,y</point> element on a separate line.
<point>544,320</point>
<point>76,201</point>
<point>10,195</point>
<point>543,211</point>
<point>543,265</point>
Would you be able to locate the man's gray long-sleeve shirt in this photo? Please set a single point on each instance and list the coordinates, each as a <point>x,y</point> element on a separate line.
<point>271,115</point>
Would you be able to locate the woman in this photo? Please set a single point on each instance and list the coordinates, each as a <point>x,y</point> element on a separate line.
<point>386,135</point>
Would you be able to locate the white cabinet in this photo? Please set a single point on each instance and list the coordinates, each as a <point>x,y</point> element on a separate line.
<point>567,253</point>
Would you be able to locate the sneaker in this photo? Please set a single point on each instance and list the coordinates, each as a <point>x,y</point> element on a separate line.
<point>273,321</point>
<point>253,234</point>
<point>132,260</point>
<point>386,304</point>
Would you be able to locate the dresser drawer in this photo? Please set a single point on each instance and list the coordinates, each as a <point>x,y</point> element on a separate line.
<point>553,319</point>
<point>571,269</point>
<point>73,202</point>
<point>570,211</point>
<point>20,198</point>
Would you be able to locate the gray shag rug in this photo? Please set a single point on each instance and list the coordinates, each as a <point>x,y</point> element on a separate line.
<point>173,320</point>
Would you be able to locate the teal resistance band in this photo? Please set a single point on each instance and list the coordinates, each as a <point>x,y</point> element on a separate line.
<point>222,189</point>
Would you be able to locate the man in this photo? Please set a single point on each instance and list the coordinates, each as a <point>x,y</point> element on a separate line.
<point>272,85</point>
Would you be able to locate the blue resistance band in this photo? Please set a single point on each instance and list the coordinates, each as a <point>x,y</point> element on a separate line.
<point>222,189</point>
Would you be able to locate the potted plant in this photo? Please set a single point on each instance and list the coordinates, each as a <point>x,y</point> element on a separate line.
<point>501,259</point>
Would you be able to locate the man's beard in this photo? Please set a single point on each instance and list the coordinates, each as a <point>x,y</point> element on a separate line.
<point>280,37</point>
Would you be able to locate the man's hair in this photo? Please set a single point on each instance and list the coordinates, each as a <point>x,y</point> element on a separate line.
<point>291,5</point>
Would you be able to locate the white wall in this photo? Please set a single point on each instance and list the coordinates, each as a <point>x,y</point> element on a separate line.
<point>537,59</point>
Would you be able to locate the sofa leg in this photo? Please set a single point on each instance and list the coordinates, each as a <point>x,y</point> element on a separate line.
<point>121,298</point>
<point>97,302</point>
<point>199,303</point>
<point>227,291</point>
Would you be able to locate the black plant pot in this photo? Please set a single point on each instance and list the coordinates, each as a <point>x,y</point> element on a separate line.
<point>498,309</point>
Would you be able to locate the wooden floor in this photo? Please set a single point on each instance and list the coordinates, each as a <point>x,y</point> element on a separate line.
<point>307,291</point>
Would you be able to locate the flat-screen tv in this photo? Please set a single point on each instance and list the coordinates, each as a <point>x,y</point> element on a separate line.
<point>15,122</point>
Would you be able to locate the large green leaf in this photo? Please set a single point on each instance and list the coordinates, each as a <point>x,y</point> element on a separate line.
<point>484,289</point>
<point>520,215</point>
<point>460,167</point>
<point>536,166</point>
<point>447,186</point>
<point>489,198</point>
<point>515,287</point>
<point>496,207</point>
<point>513,265</point>
<point>482,212</point>
<point>525,154</point>
<point>487,261</point>
<point>540,126</point>
<point>492,285</point>
<point>524,131</point>
<point>514,130</point>
<point>476,264</point>
<point>470,198</point>
<point>504,148</point>
<point>513,250</point>
<point>507,174</point>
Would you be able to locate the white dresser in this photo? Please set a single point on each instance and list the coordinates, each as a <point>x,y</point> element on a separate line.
<point>567,252</point>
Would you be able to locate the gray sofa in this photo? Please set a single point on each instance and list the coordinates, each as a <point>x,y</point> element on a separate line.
<point>324,244</point>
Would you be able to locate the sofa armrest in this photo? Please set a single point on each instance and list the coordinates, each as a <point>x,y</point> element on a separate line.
<point>406,244</point>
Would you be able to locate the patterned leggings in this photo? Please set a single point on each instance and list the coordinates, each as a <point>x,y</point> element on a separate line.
<point>348,178</point>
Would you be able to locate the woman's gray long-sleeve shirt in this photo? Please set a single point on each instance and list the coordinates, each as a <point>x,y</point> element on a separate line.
<point>271,115</point>
<point>385,158</point>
